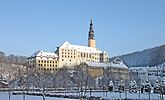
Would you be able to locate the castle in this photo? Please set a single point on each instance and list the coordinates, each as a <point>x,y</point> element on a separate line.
<point>69,55</point>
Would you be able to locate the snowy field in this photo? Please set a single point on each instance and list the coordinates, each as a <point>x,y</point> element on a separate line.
<point>5,96</point>
<point>117,95</point>
<point>128,96</point>
<point>108,96</point>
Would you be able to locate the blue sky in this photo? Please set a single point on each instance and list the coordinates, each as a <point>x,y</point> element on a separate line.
<point>121,26</point>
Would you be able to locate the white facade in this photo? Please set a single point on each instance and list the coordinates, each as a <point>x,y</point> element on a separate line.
<point>67,55</point>
<point>71,55</point>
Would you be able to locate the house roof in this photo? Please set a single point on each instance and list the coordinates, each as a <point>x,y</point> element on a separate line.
<point>106,65</point>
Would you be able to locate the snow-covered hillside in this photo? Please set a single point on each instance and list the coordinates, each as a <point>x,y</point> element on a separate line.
<point>153,56</point>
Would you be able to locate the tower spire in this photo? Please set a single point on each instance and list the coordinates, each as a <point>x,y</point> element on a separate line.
<point>91,36</point>
<point>91,31</point>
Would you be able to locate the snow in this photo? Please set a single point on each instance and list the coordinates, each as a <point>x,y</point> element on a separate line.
<point>104,95</point>
<point>48,55</point>
<point>4,82</point>
<point>118,65</point>
<point>117,95</point>
<point>94,64</point>
<point>44,55</point>
<point>105,65</point>
<point>129,95</point>
<point>152,73</point>
<point>5,96</point>
<point>81,48</point>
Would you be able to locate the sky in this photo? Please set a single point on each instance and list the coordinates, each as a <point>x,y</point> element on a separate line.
<point>121,26</point>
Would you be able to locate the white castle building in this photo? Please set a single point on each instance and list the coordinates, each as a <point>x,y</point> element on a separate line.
<point>69,55</point>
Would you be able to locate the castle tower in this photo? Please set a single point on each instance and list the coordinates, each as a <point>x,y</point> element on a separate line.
<point>91,39</point>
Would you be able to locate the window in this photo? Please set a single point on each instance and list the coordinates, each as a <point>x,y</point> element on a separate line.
<point>81,54</point>
<point>47,61</point>
<point>89,55</point>
<point>62,59</point>
<point>70,60</point>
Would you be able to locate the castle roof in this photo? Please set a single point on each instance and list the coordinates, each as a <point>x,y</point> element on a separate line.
<point>66,44</point>
<point>42,54</point>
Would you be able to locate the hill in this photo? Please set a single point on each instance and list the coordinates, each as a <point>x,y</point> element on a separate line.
<point>147,57</point>
<point>12,59</point>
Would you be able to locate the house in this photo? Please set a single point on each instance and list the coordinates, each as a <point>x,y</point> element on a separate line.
<point>116,69</point>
